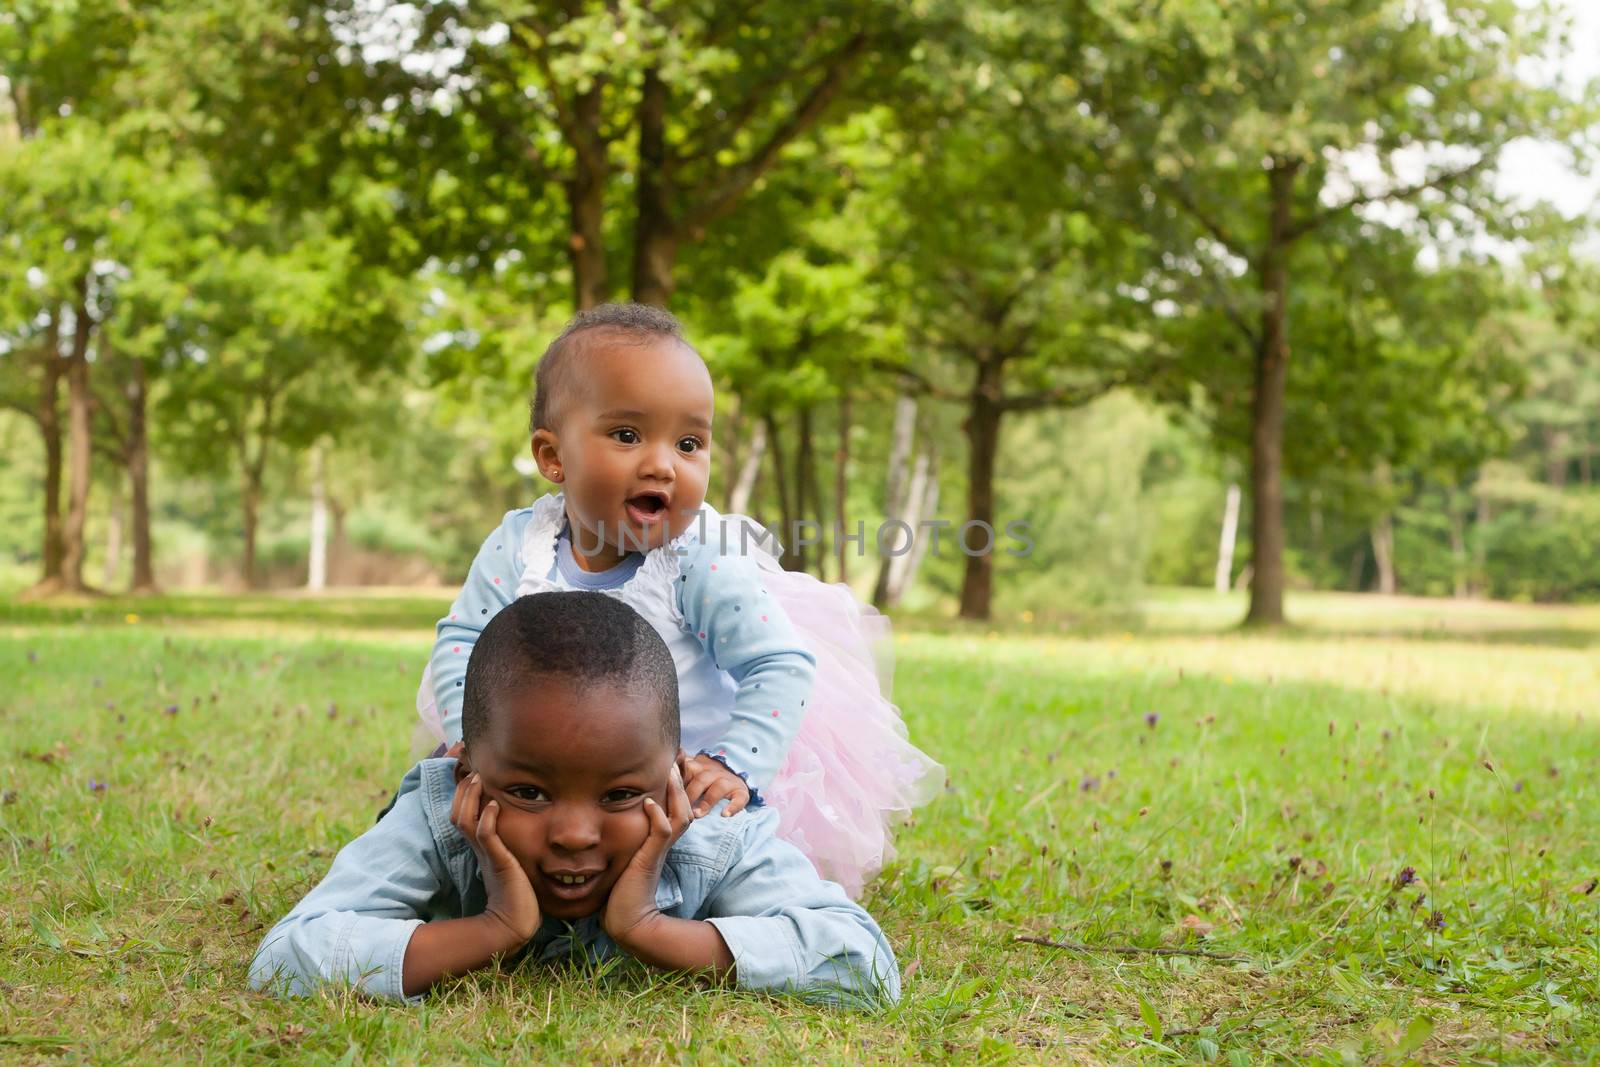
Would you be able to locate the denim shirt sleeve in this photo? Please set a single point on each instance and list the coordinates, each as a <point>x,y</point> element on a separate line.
<point>791,931</point>
<point>746,633</point>
<point>353,928</point>
<point>491,584</point>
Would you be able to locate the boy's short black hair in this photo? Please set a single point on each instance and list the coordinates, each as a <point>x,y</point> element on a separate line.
<point>639,323</point>
<point>577,636</point>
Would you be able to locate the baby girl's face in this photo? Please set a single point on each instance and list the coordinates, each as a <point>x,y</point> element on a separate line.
<point>633,445</point>
<point>571,764</point>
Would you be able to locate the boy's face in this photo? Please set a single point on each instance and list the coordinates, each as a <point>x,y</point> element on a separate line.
<point>633,445</point>
<point>571,765</point>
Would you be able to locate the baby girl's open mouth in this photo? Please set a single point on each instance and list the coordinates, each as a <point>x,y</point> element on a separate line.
<point>647,508</point>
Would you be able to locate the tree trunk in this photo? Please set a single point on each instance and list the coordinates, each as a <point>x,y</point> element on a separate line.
<point>655,242</point>
<point>1383,552</point>
<point>339,550</point>
<point>749,469</point>
<point>137,460</point>
<point>251,500</point>
<point>983,449</point>
<point>925,512</point>
<point>253,470</point>
<point>1458,546</point>
<point>80,444</point>
<point>1266,417</point>
<point>841,482</point>
<point>917,508</point>
<point>808,497</point>
<point>1480,549</point>
<point>317,564</point>
<point>903,434</point>
<point>780,480</point>
<point>1229,538</point>
<point>586,249</point>
<point>108,573</point>
<point>48,415</point>
<point>1555,455</point>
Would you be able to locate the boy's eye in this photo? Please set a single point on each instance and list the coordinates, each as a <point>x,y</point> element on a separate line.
<point>620,796</point>
<point>690,445</point>
<point>525,792</point>
<point>626,436</point>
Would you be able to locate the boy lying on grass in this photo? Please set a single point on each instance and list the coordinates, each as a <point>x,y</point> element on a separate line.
<point>563,827</point>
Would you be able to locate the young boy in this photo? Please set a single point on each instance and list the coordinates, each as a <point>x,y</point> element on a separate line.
<point>564,827</point>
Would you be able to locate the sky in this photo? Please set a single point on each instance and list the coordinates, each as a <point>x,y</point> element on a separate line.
<point>1534,171</point>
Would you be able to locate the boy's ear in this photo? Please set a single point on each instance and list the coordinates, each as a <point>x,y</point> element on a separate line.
<point>463,761</point>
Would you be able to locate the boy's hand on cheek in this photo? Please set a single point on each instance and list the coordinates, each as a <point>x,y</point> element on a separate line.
<point>512,903</point>
<point>631,908</point>
<point>709,781</point>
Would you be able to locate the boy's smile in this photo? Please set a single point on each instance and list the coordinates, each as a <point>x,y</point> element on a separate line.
<point>570,765</point>
<point>632,448</point>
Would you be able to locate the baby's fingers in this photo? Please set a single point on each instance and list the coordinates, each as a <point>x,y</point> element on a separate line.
<point>740,799</point>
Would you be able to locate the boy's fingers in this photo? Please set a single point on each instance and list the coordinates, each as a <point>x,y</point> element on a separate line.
<point>471,809</point>
<point>458,805</point>
<point>741,798</point>
<point>489,838</point>
<point>660,834</point>
<point>677,812</point>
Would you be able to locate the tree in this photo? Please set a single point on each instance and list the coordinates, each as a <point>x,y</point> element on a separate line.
<point>1243,133</point>
<point>1007,282</point>
<point>682,108</point>
<point>283,327</point>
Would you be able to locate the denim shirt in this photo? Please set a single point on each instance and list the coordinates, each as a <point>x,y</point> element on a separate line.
<point>787,928</point>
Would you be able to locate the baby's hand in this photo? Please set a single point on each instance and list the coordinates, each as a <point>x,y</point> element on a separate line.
<point>511,900</point>
<point>708,781</point>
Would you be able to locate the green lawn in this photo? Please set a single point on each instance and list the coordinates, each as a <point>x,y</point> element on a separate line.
<point>174,782</point>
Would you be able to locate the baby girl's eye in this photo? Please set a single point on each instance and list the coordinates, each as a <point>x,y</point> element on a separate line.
<point>690,444</point>
<point>626,436</point>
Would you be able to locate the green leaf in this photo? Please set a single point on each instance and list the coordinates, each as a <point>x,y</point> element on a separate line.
<point>1151,1019</point>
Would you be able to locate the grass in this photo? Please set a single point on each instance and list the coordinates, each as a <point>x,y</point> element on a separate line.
<point>174,783</point>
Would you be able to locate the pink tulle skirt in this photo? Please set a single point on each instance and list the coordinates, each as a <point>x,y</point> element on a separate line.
<point>851,772</point>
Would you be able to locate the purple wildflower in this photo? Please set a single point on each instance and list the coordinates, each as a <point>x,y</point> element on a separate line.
<point>1406,877</point>
<point>1089,784</point>
<point>1151,718</point>
<point>96,786</point>
<point>172,709</point>
<point>1436,921</point>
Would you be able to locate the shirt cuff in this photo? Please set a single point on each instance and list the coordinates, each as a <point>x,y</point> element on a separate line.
<point>766,954</point>
<point>755,794</point>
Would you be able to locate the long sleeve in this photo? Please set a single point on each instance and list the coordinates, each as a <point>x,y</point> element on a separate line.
<point>747,634</point>
<point>789,930</point>
<point>491,584</point>
<point>353,928</point>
